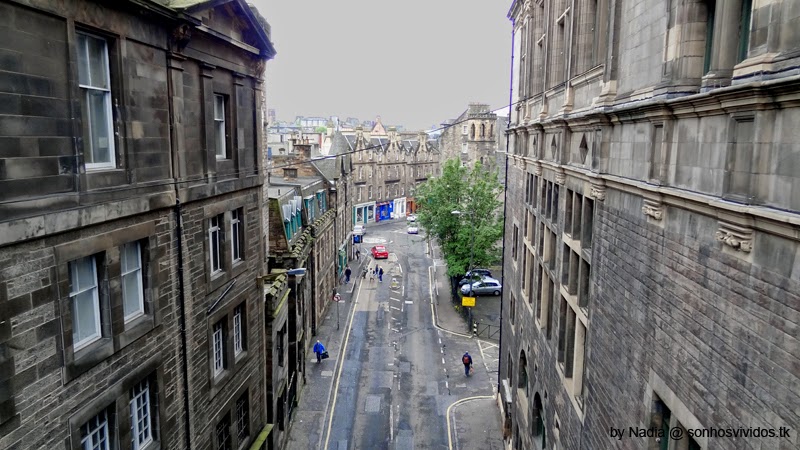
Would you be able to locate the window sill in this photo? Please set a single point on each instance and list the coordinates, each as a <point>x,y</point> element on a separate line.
<point>80,361</point>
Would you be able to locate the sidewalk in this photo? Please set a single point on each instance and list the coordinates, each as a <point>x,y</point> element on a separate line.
<point>486,312</point>
<point>308,420</point>
<point>472,428</point>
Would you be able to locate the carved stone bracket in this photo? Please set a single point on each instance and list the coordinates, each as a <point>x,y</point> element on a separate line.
<point>653,208</point>
<point>737,237</point>
<point>598,191</point>
<point>537,168</point>
<point>561,176</point>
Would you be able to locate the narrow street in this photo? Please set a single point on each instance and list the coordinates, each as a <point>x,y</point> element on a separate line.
<point>400,372</point>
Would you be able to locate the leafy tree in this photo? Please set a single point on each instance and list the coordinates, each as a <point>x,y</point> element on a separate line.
<point>322,130</point>
<point>475,192</point>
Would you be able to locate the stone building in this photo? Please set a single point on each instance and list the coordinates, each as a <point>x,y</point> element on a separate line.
<point>306,255</point>
<point>652,262</point>
<point>386,170</point>
<point>473,136</point>
<point>130,224</point>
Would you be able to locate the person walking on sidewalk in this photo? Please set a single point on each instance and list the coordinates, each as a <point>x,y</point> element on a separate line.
<point>372,274</point>
<point>347,273</point>
<point>380,274</point>
<point>467,361</point>
<point>319,349</point>
<point>358,254</point>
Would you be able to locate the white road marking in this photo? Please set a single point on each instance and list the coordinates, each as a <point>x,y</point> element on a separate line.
<point>447,385</point>
<point>409,302</point>
<point>395,330</point>
<point>443,361</point>
<point>396,299</point>
<point>395,307</point>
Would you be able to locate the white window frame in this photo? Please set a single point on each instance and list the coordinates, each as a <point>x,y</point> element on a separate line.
<point>218,350</point>
<point>94,433</point>
<point>242,417</point>
<point>136,274</point>
<point>238,338</point>
<point>77,290</point>
<point>220,139</point>
<point>111,163</point>
<point>236,235</point>
<point>464,148</point>
<point>215,243</point>
<point>141,416</point>
<point>464,130</point>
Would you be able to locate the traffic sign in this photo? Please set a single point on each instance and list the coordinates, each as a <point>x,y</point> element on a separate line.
<point>467,301</point>
<point>337,298</point>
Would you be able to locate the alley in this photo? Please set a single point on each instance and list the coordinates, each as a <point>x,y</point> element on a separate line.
<point>394,374</point>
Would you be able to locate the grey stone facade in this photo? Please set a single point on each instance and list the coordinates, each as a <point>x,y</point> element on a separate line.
<point>652,258</point>
<point>110,172</point>
<point>387,168</point>
<point>474,136</point>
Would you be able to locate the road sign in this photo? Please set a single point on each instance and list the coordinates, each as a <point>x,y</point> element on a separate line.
<point>467,301</point>
<point>337,298</point>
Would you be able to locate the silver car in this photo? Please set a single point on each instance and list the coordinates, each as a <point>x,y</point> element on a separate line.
<point>486,286</point>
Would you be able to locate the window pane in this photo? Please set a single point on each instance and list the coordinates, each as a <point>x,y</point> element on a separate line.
<point>83,60</point>
<point>83,274</point>
<point>219,107</point>
<point>85,317</point>
<point>97,103</point>
<point>98,76</point>
<point>132,294</point>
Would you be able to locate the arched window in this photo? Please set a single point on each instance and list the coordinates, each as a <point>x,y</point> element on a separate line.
<point>522,376</point>
<point>537,423</point>
<point>472,131</point>
<point>483,130</point>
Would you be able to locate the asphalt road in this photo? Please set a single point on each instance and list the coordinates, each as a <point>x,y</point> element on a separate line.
<point>399,372</point>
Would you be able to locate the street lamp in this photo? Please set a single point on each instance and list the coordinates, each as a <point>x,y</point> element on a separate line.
<point>471,218</point>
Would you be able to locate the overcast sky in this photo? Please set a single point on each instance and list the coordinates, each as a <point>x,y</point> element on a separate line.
<point>415,63</point>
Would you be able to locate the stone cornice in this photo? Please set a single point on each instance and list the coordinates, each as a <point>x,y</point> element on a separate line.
<point>780,223</point>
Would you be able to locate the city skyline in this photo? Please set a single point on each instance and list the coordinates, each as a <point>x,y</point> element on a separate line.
<point>416,69</point>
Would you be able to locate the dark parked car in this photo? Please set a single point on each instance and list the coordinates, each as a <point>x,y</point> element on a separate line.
<point>474,275</point>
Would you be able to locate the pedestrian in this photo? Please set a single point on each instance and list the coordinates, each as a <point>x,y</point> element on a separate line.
<point>358,254</point>
<point>319,349</point>
<point>467,361</point>
<point>380,274</point>
<point>372,275</point>
<point>347,273</point>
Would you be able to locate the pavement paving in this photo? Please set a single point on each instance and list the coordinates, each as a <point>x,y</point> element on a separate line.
<point>470,425</point>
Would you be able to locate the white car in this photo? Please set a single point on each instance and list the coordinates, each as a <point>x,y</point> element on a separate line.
<point>413,229</point>
<point>486,286</point>
<point>412,218</point>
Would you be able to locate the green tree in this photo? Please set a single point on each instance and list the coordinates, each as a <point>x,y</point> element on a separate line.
<point>475,192</point>
<point>322,130</point>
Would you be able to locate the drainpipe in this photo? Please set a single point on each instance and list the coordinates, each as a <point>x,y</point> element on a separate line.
<point>182,323</point>
<point>505,210</point>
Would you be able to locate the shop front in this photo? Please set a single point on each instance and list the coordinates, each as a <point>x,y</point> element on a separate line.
<point>384,211</point>
<point>364,213</point>
<point>399,208</point>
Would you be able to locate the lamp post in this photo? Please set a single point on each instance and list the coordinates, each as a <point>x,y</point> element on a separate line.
<point>471,219</point>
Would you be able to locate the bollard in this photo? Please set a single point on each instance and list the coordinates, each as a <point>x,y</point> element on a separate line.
<point>475,328</point>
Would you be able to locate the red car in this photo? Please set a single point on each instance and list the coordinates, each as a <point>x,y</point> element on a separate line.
<point>380,252</point>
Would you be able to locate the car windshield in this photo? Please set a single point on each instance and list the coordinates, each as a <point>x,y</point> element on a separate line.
<point>380,249</point>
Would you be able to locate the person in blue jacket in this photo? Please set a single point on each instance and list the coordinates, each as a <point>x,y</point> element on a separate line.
<point>319,349</point>
<point>467,361</point>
